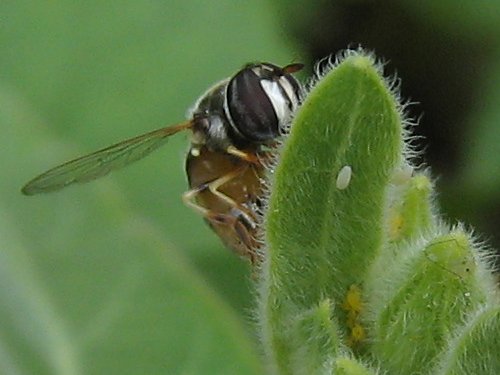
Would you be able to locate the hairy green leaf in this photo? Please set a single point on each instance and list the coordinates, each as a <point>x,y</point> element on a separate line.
<point>324,224</point>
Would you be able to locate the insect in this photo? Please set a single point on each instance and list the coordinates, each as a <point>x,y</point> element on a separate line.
<point>232,126</point>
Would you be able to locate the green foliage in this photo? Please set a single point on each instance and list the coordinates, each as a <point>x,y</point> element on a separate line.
<point>365,263</point>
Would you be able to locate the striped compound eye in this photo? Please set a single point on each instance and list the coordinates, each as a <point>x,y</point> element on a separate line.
<point>260,99</point>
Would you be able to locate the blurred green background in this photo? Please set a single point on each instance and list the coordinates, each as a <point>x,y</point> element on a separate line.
<point>117,276</point>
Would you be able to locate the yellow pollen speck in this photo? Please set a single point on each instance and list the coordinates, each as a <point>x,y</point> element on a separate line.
<point>353,305</point>
<point>358,333</point>
<point>353,299</point>
<point>395,226</point>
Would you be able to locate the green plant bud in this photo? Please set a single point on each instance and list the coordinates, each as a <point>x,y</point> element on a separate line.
<point>315,340</point>
<point>427,295</point>
<point>411,210</point>
<point>349,366</point>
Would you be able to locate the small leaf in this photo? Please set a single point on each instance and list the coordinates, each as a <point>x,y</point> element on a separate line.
<point>315,340</point>
<point>411,211</point>
<point>350,366</point>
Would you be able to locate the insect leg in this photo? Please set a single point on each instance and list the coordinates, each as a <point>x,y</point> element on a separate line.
<point>248,157</point>
<point>240,218</point>
<point>214,186</point>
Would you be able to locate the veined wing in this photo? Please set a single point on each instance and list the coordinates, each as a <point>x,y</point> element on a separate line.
<point>100,163</point>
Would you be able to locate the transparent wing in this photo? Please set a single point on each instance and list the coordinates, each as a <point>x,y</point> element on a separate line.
<point>100,163</point>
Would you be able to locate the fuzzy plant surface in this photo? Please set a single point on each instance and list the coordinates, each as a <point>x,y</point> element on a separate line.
<point>361,274</point>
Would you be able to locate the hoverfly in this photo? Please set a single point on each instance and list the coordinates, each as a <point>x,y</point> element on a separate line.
<point>232,125</point>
